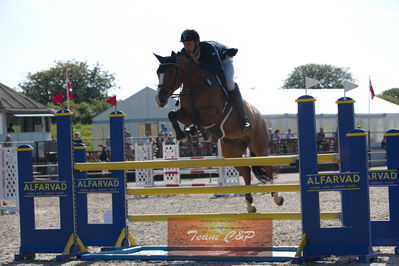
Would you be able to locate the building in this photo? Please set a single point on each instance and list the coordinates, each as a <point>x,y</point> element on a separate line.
<point>142,115</point>
<point>23,118</point>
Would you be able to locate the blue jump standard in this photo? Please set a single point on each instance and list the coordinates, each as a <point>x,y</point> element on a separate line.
<point>279,254</point>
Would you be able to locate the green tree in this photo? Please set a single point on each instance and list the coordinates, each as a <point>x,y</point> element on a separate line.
<point>88,83</point>
<point>391,95</point>
<point>328,75</point>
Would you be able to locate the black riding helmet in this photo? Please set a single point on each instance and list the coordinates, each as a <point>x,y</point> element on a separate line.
<point>189,35</point>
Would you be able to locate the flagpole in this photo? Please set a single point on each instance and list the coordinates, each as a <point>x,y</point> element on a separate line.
<point>369,104</point>
<point>67,89</point>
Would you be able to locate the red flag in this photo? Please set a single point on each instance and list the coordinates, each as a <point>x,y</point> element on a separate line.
<point>58,98</point>
<point>112,100</point>
<point>371,90</point>
<point>69,86</point>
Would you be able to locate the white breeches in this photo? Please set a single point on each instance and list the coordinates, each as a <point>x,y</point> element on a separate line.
<point>229,72</point>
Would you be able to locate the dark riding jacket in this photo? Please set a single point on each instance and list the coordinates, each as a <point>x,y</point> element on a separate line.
<point>211,56</point>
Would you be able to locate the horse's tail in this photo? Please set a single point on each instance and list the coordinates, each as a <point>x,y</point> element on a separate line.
<point>265,174</point>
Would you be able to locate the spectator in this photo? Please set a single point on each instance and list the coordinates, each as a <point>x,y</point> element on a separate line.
<point>7,141</point>
<point>147,139</point>
<point>276,135</point>
<point>320,138</point>
<point>270,132</point>
<point>163,132</point>
<point>129,148</point>
<point>76,138</point>
<point>290,135</point>
<point>10,129</point>
<point>104,154</point>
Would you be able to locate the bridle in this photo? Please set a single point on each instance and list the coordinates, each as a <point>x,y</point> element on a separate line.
<point>176,68</point>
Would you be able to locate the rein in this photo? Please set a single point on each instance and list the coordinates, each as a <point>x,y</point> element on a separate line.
<point>176,67</point>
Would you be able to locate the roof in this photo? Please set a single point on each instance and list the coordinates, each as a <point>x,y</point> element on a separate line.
<point>282,101</point>
<point>17,103</point>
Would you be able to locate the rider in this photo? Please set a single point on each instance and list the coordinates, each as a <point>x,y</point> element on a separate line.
<point>218,59</point>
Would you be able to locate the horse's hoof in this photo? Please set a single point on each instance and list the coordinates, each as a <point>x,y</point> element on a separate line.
<point>279,201</point>
<point>251,209</point>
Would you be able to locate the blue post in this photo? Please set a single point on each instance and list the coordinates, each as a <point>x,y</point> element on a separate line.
<point>346,122</point>
<point>342,240</point>
<point>308,149</point>
<point>115,234</point>
<point>386,233</point>
<point>63,240</point>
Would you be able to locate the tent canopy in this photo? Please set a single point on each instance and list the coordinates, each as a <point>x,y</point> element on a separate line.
<point>282,101</point>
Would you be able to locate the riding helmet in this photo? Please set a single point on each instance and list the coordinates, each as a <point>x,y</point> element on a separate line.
<point>189,35</point>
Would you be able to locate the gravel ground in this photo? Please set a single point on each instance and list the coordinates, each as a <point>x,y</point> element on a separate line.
<point>285,233</point>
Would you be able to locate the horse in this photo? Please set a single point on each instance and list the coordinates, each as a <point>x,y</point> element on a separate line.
<point>205,104</point>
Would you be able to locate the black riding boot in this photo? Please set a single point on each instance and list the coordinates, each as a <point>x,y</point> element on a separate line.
<point>238,104</point>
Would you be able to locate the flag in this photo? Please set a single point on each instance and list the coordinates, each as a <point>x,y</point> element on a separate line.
<point>309,82</point>
<point>112,100</point>
<point>349,86</point>
<point>69,91</point>
<point>371,90</point>
<point>58,98</point>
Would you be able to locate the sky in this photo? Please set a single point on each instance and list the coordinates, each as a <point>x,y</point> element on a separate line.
<point>273,37</point>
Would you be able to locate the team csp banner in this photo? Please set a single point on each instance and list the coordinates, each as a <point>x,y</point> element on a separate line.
<point>349,180</point>
<point>214,237</point>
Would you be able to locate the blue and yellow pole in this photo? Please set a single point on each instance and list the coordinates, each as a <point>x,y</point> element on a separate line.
<point>346,122</point>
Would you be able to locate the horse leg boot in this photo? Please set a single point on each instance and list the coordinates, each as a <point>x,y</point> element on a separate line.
<point>239,105</point>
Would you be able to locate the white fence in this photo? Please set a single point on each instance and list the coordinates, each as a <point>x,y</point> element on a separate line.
<point>8,179</point>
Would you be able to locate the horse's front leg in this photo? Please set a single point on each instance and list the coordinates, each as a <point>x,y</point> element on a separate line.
<point>181,116</point>
<point>234,149</point>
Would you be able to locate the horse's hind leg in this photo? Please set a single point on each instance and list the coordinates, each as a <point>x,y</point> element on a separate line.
<point>232,149</point>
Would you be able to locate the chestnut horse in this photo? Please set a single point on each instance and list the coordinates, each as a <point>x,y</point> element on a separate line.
<point>205,105</point>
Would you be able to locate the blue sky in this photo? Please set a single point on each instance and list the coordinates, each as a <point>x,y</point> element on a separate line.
<point>273,37</point>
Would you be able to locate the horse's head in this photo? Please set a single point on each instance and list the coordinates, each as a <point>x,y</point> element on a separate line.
<point>168,75</point>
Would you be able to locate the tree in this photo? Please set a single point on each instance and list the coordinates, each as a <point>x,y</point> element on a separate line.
<point>391,95</point>
<point>328,75</point>
<point>88,84</point>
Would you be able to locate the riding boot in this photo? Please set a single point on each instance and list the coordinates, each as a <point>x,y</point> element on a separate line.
<point>239,105</point>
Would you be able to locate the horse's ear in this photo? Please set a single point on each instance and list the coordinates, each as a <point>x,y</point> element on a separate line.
<point>173,56</point>
<point>160,58</point>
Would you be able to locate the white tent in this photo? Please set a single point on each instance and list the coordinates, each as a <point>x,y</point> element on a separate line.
<point>280,109</point>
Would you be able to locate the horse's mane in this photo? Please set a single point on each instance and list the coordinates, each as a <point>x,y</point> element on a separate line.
<point>191,72</point>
